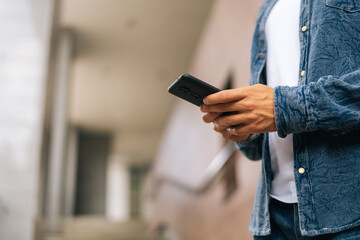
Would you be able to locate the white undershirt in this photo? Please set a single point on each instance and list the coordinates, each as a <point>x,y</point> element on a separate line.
<point>282,68</point>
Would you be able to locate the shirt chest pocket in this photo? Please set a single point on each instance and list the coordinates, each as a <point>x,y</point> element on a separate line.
<point>346,5</point>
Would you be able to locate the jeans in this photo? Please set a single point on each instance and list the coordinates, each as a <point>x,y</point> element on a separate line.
<point>284,222</point>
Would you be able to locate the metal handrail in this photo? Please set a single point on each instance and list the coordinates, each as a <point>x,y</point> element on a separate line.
<point>211,171</point>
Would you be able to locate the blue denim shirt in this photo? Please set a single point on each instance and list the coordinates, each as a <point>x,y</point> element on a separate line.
<point>323,113</point>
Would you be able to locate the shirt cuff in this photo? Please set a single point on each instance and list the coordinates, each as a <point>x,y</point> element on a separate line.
<point>290,107</point>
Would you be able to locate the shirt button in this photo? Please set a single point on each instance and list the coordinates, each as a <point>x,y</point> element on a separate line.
<point>261,54</point>
<point>304,28</point>
<point>302,73</point>
<point>301,170</point>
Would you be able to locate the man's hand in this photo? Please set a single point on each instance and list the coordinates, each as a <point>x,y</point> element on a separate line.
<point>253,109</point>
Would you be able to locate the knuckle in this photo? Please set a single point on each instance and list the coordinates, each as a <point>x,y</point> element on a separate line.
<point>258,86</point>
<point>245,90</point>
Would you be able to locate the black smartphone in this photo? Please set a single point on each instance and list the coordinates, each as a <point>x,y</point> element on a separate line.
<point>191,89</point>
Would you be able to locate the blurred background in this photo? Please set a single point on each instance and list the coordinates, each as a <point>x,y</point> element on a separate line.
<point>91,144</point>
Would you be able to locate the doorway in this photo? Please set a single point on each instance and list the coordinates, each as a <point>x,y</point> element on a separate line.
<point>93,154</point>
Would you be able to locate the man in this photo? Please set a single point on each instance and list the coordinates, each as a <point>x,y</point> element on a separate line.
<point>301,116</point>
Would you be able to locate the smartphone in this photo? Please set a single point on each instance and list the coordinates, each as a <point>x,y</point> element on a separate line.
<point>191,89</point>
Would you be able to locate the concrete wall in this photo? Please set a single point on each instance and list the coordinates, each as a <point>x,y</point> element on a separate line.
<point>24,44</point>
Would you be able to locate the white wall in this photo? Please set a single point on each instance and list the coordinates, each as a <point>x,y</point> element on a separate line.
<point>24,41</point>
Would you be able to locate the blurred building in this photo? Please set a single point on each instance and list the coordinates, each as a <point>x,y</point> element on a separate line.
<point>91,144</point>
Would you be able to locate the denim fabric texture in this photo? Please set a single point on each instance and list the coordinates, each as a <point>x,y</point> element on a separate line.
<point>323,113</point>
<point>284,222</point>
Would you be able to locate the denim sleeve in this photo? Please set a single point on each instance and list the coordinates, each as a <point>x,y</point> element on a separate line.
<point>252,147</point>
<point>331,104</point>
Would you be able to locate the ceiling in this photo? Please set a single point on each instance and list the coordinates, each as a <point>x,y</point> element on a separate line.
<point>127,53</point>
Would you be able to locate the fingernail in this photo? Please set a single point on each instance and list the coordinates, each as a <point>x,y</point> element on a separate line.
<point>203,107</point>
<point>205,100</point>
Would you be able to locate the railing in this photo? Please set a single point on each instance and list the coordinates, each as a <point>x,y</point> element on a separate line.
<point>208,176</point>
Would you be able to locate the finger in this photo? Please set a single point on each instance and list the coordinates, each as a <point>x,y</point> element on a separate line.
<point>223,107</point>
<point>244,129</point>
<point>241,138</point>
<point>210,117</point>
<point>225,96</point>
<point>234,138</point>
<point>235,119</point>
<point>220,128</point>
<point>258,126</point>
<point>226,134</point>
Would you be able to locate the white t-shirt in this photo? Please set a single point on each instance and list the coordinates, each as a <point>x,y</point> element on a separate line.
<point>282,68</point>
